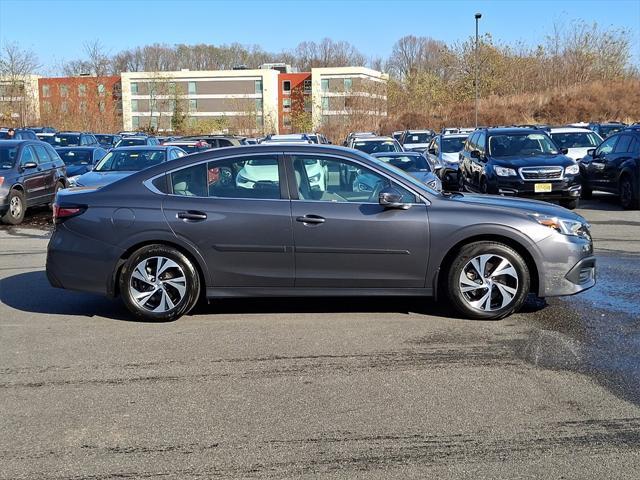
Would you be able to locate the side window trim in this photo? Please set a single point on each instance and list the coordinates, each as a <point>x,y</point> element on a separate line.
<point>293,187</point>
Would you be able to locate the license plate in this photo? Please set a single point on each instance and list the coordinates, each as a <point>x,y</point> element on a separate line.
<point>542,187</point>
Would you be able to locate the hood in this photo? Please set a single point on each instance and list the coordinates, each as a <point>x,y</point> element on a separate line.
<point>578,153</point>
<point>451,157</point>
<point>99,179</point>
<point>73,170</point>
<point>415,146</point>
<point>517,205</point>
<point>534,161</point>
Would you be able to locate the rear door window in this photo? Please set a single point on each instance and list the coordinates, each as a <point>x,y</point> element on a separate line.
<point>27,156</point>
<point>624,144</point>
<point>41,153</point>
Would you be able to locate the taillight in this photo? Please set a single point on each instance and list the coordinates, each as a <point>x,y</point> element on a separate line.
<point>63,212</point>
<point>1,181</point>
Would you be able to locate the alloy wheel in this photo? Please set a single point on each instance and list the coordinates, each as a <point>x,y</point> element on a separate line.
<point>158,284</point>
<point>15,207</point>
<point>489,282</point>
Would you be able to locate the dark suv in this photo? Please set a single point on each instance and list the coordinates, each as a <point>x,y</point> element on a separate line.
<point>521,162</point>
<point>608,128</point>
<point>615,167</point>
<point>75,139</point>
<point>31,173</point>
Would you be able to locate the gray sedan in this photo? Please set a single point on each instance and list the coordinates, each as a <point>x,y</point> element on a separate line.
<point>165,236</point>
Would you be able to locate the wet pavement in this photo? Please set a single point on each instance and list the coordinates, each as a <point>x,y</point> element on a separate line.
<point>329,388</point>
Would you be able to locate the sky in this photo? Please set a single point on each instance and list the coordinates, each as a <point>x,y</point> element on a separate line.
<point>56,30</point>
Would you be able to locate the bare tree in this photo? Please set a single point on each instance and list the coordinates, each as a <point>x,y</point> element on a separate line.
<point>16,64</point>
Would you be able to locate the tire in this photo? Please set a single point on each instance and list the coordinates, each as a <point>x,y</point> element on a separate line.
<point>460,182</point>
<point>628,198</point>
<point>503,294</point>
<point>570,204</point>
<point>17,208</point>
<point>170,295</point>
<point>59,186</point>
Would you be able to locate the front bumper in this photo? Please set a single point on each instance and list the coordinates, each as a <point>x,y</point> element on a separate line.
<point>566,189</point>
<point>569,266</point>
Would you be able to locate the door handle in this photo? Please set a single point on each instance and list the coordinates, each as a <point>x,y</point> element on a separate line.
<point>192,215</point>
<point>313,219</point>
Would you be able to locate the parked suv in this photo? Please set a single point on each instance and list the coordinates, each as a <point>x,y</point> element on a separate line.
<point>615,167</point>
<point>416,139</point>
<point>31,173</point>
<point>521,162</point>
<point>18,134</point>
<point>444,156</point>
<point>608,128</point>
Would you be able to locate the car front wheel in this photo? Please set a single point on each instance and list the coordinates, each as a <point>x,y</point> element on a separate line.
<point>159,283</point>
<point>487,281</point>
<point>628,199</point>
<point>17,208</point>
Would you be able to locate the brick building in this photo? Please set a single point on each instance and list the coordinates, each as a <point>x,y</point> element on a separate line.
<point>294,102</point>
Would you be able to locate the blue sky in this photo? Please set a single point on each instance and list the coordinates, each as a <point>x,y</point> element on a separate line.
<point>57,30</point>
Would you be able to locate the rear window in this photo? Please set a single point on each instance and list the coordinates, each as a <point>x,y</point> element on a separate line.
<point>76,157</point>
<point>130,160</point>
<point>7,157</point>
<point>131,142</point>
<point>376,146</point>
<point>418,138</point>
<point>67,140</point>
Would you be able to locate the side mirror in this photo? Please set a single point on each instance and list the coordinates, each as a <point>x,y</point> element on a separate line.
<point>344,144</point>
<point>564,151</point>
<point>392,198</point>
<point>28,165</point>
<point>591,152</point>
<point>476,154</point>
<point>432,151</point>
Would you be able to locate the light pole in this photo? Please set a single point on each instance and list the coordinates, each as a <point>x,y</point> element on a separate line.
<point>478,16</point>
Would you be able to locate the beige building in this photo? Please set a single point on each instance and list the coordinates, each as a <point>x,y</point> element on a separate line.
<point>348,95</point>
<point>225,100</point>
<point>19,101</point>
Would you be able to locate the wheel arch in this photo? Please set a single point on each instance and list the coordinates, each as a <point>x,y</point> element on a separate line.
<point>519,246</point>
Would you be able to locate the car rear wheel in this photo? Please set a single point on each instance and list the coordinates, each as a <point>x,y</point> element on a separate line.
<point>17,208</point>
<point>628,199</point>
<point>487,281</point>
<point>159,283</point>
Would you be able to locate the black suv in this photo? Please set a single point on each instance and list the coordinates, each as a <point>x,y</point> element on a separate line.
<point>31,173</point>
<point>521,162</point>
<point>615,167</point>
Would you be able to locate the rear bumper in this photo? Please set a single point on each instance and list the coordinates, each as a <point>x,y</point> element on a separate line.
<point>75,262</point>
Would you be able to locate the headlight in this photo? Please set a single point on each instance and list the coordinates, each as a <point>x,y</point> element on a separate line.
<point>73,181</point>
<point>314,178</point>
<point>565,226</point>
<point>505,172</point>
<point>572,170</point>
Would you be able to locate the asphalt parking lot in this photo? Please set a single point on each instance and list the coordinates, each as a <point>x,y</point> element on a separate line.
<point>322,388</point>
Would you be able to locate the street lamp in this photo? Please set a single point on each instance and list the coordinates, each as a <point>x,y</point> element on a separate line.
<point>478,17</point>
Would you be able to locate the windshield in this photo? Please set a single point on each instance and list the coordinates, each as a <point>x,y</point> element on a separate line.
<point>408,163</point>
<point>105,139</point>
<point>418,138</point>
<point>7,157</point>
<point>67,140</point>
<point>576,139</point>
<point>376,146</point>
<point>76,157</point>
<point>610,129</point>
<point>453,145</point>
<point>131,142</point>
<point>50,139</point>
<point>130,160</point>
<point>518,145</point>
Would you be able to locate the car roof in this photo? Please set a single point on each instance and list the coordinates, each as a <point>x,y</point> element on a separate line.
<point>570,130</point>
<point>17,143</point>
<point>374,139</point>
<point>396,154</point>
<point>426,130</point>
<point>455,135</point>
<point>513,130</point>
<point>142,147</point>
<point>84,147</point>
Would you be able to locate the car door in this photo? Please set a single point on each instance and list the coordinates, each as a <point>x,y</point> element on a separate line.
<point>344,238</point>
<point>236,212</point>
<point>596,168</point>
<point>46,165</point>
<point>34,178</point>
<point>613,167</point>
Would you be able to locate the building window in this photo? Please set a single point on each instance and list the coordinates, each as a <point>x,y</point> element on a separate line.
<point>307,104</point>
<point>307,86</point>
<point>134,105</point>
<point>134,89</point>
<point>348,83</point>
<point>46,91</point>
<point>193,105</point>
<point>154,123</point>
<point>324,84</point>
<point>153,105</point>
<point>286,104</point>
<point>259,105</point>
<point>286,87</point>
<point>64,107</point>
<point>325,104</point>
<point>101,90</point>
<point>192,88</point>
<point>101,107</point>
<point>82,90</point>
<point>259,121</point>
<point>64,91</point>
<point>83,106</point>
<point>286,120</point>
<point>258,86</point>
<point>135,122</point>
<point>47,106</point>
